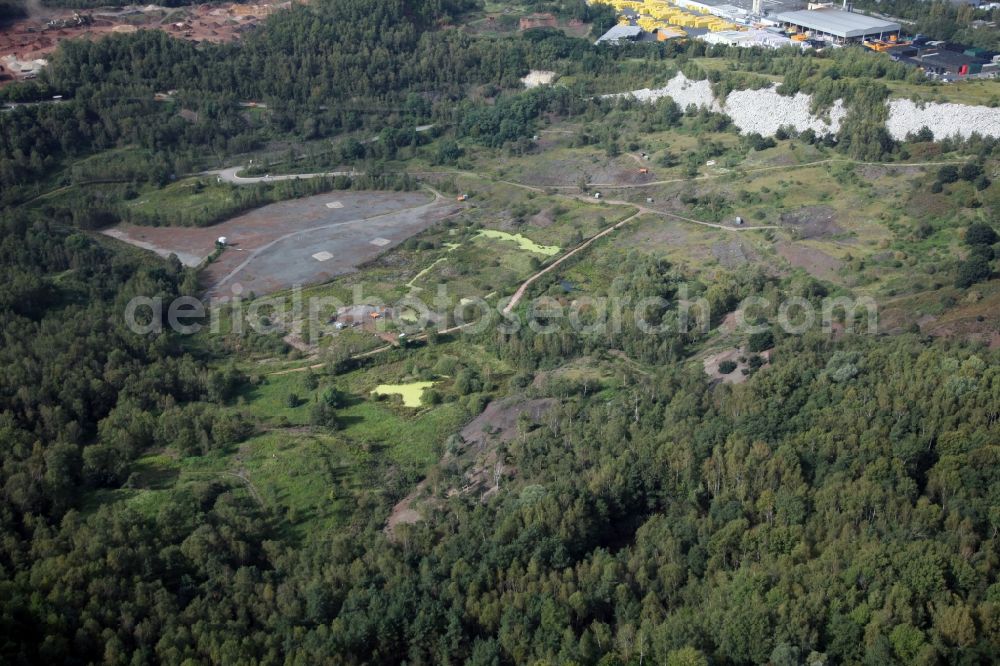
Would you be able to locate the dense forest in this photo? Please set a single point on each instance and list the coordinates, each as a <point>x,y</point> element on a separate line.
<point>10,9</point>
<point>839,507</point>
<point>814,513</point>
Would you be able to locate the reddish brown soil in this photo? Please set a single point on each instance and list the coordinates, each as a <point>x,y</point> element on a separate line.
<point>32,37</point>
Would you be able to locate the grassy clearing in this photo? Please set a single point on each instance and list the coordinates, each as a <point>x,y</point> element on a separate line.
<point>311,478</point>
<point>190,197</point>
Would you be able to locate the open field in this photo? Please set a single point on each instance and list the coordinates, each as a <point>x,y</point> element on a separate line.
<point>317,477</point>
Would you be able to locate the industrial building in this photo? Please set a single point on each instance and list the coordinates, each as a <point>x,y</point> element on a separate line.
<point>749,38</point>
<point>836,25</point>
<point>947,61</point>
<point>620,33</point>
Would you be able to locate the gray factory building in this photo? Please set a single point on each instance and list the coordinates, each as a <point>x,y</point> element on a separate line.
<point>837,25</point>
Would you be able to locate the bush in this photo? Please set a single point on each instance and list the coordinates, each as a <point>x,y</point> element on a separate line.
<point>975,269</point>
<point>970,171</point>
<point>727,367</point>
<point>759,342</point>
<point>324,415</point>
<point>948,174</point>
<point>980,234</point>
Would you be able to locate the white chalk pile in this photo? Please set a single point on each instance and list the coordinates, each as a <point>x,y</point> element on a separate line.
<point>945,120</point>
<point>764,111</point>
<point>680,89</point>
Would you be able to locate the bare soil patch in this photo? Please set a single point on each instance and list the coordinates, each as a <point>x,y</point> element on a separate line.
<point>499,420</point>
<point>496,424</point>
<point>813,222</point>
<point>404,513</point>
<point>924,204</point>
<point>737,376</point>
<point>816,262</point>
<point>40,34</point>
<point>734,253</point>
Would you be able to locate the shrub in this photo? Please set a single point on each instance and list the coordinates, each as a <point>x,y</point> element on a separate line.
<point>727,367</point>
<point>758,342</point>
<point>947,174</point>
<point>980,234</point>
<point>970,171</point>
<point>975,269</point>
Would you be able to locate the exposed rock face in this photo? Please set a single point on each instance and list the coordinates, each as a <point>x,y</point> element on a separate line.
<point>945,120</point>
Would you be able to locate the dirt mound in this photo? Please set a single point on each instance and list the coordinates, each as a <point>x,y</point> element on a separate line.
<point>404,513</point>
<point>734,253</point>
<point>813,221</point>
<point>543,219</point>
<point>816,262</point>
<point>497,423</point>
<point>499,420</point>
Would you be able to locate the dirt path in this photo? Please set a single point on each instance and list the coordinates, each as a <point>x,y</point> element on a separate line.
<point>519,294</point>
<point>242,475</point>
<point>229,175</point>
<point>831,160</point>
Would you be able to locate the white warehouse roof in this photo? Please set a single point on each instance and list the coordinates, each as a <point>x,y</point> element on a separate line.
<point>838,23</point>
<point>620,32</point>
